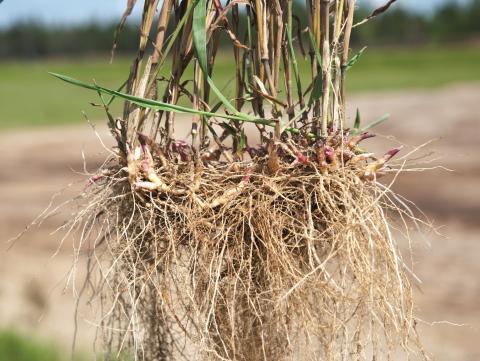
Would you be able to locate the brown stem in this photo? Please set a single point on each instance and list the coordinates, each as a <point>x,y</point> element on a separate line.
<point>325,53</point>
<point>197,81</point>
<point>346,49</point>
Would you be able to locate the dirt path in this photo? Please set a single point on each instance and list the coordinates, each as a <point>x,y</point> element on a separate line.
<point>36,164</point>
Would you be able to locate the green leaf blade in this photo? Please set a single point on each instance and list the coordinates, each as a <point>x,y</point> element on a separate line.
<point>158,105</point>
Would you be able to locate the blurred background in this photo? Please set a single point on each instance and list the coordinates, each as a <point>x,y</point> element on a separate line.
<point>422,66</point>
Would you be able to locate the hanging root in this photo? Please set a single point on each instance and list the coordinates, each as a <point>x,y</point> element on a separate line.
<point>227,261</point>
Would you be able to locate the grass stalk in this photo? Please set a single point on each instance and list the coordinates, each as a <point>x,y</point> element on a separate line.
<point>326,64</point>
<point>350,9</point>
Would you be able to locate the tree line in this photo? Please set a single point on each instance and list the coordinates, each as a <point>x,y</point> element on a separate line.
<point>449,23</point>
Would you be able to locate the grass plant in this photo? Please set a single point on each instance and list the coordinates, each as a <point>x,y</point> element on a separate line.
<point>264,235</point>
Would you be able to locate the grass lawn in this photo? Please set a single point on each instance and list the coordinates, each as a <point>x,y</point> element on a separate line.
<point>31,97</point>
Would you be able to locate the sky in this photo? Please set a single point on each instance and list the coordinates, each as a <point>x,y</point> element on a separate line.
<point>61,11</point>
<point>78,11</point>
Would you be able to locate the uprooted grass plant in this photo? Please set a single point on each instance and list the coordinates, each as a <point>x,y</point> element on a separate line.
<point>263,235</point>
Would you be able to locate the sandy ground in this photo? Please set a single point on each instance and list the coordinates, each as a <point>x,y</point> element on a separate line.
<point>36,164</point>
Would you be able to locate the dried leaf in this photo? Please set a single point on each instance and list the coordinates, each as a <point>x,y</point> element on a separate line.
<point>376,12</point>
<point>121,25</point>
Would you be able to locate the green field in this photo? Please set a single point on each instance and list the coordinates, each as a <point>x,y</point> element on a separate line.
<point>31,97</point>
<point>18,346</point>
